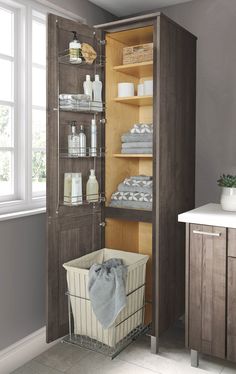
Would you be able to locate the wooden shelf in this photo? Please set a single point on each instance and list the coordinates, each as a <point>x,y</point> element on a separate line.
<point>132,155</point>
<point>136,215</point>
<point>135,100</point>
<point>139,70</point>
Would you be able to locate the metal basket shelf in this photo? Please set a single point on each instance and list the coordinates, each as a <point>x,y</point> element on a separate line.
<point>64,58</point>
<point>78,201</point>
<point>84,107</point>
<point>82,153</point>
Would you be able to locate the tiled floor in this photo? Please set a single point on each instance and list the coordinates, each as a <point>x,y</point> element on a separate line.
<point>136,359</point>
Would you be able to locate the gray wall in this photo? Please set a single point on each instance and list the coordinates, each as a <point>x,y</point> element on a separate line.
<point>93,14</point>
<point>22,277</point>
<point>213,22</point>
<point>23,246</point>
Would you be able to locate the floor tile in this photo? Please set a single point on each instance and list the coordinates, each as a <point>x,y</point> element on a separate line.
<point>34,367</point>
<point>98,364</point>
<point>173,357</point>
<point>229,368</point>
<point>62,356</point>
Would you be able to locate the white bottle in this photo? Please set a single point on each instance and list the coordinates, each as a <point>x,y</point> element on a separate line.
<point>75,50</point>
<point>93,148</point>
<point>88,87</point>
<point>82,142</point>
<point>97,89</point>
<point>92,188</point>
<point>73,141</point>
<point>76,189</point>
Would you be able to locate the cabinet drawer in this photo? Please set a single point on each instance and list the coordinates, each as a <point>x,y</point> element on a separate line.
<point>232,242</point>
<point>207,289</point>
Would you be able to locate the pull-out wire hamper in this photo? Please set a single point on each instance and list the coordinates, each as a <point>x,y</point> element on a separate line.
<point>130,319</point>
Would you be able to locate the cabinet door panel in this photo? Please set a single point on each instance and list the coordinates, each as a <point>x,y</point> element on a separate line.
<point>232,242</point>
<point>72,231</point>
<point>207,289</point>
<point>231,322</point>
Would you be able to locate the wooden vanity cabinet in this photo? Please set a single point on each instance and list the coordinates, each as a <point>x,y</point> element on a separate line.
<point>211,291</point>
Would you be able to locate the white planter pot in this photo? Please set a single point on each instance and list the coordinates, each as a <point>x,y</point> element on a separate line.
<point>228,199</point>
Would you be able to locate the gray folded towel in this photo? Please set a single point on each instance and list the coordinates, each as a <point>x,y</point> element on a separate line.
<point>141,177</point>
<point>132,196</point>
<point>144,205</point>
<point>137,144</point>
<point>128,137</point>
<point>134,185</point>
<point>137,150</point>
<point>107,290</point>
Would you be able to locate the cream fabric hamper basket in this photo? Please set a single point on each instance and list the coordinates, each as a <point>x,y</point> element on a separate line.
<point>85,322</point>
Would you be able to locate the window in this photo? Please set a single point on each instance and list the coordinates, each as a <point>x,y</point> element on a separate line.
<point>22,107</point>
<point>8,64</point>
<point>38,105</point>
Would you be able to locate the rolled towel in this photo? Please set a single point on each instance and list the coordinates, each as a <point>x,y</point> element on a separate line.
<point>137,150</point>
<point>137,144</point>
<point>128,137</point>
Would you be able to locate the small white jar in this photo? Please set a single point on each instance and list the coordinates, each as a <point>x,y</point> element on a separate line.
<point>228,199</point>
<point>125,89</point>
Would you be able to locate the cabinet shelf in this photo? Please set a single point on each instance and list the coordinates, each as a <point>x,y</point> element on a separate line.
<point>100,152</point>
<point>136,215</point>
<point>81,200</point>
<point>132,155</point>
<point>135,100</point>
<point>139,70</point>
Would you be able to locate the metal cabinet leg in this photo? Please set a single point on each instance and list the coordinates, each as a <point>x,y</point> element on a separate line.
<point>194,358</point>
<point>154,345</point>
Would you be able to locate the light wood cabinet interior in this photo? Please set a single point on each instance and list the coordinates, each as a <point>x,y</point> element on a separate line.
<point>121,114</point>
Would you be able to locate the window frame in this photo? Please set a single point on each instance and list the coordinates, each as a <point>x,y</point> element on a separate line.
<point>25,11</point>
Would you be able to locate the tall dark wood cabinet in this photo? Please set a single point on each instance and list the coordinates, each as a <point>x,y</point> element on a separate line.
<point>76,230</point>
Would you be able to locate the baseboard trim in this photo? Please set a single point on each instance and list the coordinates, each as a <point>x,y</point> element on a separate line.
<point>23,351</point>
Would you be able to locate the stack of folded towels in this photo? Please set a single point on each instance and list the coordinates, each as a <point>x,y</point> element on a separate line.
<point>138,139</point>
<point>134,192</point>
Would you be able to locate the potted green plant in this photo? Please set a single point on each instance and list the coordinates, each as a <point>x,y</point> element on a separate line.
<point>228,194</point>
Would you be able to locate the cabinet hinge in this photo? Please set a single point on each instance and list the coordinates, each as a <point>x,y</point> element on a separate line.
<point>102,42</point>
<point>102,224</point>
<point>103,121</point>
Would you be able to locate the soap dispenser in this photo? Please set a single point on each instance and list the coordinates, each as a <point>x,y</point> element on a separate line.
<point>75,50</point>
<point>92,187</point>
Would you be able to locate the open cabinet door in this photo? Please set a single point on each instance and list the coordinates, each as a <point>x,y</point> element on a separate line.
<point>72,230</point>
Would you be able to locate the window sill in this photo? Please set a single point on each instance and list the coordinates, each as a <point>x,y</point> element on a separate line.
<point>22,213</point>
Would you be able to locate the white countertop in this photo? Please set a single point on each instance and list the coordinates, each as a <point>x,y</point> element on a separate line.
<point>210,214</point>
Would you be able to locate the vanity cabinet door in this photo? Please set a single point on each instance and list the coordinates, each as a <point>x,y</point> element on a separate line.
<point>207,289</point>
<point>231,307</point>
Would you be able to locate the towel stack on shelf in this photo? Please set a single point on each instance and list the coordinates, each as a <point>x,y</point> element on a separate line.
<point>78,102</point>
<point>133,193</point>
<point>138,140</point>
